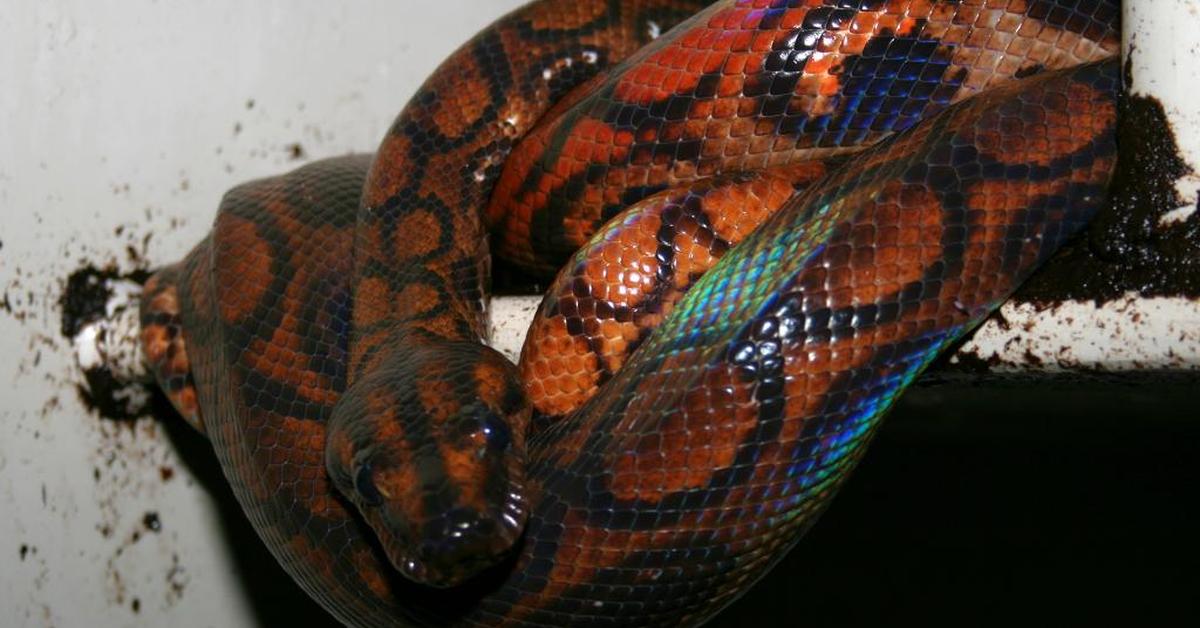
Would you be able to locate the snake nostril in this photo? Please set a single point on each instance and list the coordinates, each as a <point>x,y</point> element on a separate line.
<point>485,527</point>
<point>465,523</point>
<point>426,552</point>
<point>461,516</point>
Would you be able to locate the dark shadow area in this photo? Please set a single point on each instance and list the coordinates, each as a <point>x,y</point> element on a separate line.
<point>276,599</point>
<point>1025,505</point>
<point>975,506</point>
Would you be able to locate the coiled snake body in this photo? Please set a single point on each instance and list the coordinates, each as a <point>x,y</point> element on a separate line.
<point>780,263</point>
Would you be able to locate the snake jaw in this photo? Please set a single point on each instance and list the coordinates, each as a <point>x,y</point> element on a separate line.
<point>456,546</point>
<point>448,548</point>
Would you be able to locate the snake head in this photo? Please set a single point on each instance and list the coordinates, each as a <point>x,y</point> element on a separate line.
<point>428,444</point>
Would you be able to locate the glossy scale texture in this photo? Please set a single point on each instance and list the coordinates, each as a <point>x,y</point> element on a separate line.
<point>317,324</point>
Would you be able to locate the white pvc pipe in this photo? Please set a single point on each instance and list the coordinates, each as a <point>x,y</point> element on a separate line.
<point>114,342</point>
<point>1130,334</point>
<point>511,317</point>
<point>1161,38</point>
<point>1162,49</point>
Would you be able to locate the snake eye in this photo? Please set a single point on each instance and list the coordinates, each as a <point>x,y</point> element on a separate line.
<point>496,432</point>
<point>364,483</point>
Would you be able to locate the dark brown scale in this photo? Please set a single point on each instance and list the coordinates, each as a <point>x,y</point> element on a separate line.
<point>600,309</point>
<point>754,86</point>
<point>726,432</point>
<point>757,396</point>
<point>420,275</point>
<point>619,287</point>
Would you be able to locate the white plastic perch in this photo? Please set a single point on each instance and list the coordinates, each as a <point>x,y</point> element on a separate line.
<point>1161,39</point>
<point>1133,333</point>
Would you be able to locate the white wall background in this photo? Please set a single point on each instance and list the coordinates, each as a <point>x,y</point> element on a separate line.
<point>121,124</point>
<point>126,120</point>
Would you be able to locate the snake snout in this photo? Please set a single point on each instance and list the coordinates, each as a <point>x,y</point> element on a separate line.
<point>459,544</point>
<point>462,525</point>
<point>430,449</point>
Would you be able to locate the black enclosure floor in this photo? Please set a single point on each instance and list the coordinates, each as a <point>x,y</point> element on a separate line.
<point>1015,505</point>
<point>1020,505</point>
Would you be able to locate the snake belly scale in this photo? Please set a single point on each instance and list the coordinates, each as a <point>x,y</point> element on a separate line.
<point>811,199</point>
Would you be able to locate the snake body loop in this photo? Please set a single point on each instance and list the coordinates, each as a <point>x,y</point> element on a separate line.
<point>809,200</point>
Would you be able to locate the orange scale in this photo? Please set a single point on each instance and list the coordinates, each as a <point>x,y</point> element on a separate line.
<point>720,20</point>
<point>709,62</point>
<point>742,23</point>
<point>700,38</point>
<point>762,42</point>
<point>733,70</point>
<point>279,456</point>
<point>1050,39</point>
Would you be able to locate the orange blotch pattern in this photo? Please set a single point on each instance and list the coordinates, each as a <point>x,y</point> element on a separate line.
<point>246,271</point>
